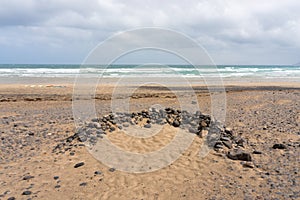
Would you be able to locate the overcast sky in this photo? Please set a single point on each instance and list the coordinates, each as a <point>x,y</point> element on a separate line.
<point>232,31</point>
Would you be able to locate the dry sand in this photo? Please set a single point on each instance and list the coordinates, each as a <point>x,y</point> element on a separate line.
<point>34,119</point>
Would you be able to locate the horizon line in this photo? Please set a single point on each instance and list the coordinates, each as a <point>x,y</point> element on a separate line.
<point>173,64</point>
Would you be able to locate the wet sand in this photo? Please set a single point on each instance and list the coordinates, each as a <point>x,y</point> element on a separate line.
<point>35,118</point>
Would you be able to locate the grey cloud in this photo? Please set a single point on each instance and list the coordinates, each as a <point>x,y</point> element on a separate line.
<point>218,25</point>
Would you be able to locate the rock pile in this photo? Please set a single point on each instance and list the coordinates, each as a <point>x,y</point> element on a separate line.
<point>216,135</point>
<point>194,123</point>
<point>93,130</point>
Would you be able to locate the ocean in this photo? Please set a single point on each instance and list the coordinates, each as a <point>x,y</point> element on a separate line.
<point>285,72</point>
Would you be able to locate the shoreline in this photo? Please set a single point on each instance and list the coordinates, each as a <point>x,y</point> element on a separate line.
<point>177,82</point>
<point>64,92</point>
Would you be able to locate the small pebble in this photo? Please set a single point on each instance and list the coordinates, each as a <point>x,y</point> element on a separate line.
<point>176,123</point>
<point>112,169</point>
<point>126,124</point>
<point>279,146</point>
<point>78,164</point>
<point>225,138</point>
<point>248,165</point>
<point>147,126</point>
<point>83,184</point>
<point>27,192</point>
<point>192,130</point>
<point>97,172</point>
<point>27,177</point>
<point>228,144</point>
<point>257,152</point>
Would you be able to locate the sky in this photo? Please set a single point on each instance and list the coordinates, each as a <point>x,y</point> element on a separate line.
<point>231,31</point>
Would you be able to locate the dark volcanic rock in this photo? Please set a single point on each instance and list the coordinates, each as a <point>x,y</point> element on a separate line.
<point>126,124</point>
<point>228,144</point>
<point>228,131</point>
<point>193,130</point>
<point>27,192</point>
<point>240,141</point>
<point>95,120</point>
<point>147,126</point>
<point>279,146</point>
<point>82,138</point>
<point>78,164</point>
<point>83,184</point>
<point>27,177</point>
<point>112,169</point>
<point>248,165</point>
<point>257,152</point>
<point>225,138</point>
<point>239,155</point>
<point>176,123</point>
<point>218,146</point>
<point>31,133</point>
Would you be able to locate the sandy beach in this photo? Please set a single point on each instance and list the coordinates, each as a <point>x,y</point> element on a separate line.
<point>36,117</point>
<point>149,100</point>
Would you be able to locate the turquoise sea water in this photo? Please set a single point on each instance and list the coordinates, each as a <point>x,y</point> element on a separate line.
<point>256,71</point>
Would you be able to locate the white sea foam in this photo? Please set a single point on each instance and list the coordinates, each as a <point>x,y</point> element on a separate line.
<point>148,71</point>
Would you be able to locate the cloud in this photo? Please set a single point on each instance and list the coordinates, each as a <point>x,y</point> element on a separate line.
<point>231,30</point>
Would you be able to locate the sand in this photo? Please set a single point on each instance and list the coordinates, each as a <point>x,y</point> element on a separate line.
<point>35,118</point>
